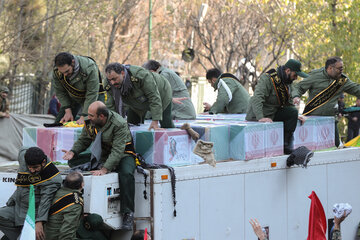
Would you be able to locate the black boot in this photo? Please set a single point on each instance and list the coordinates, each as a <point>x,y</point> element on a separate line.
<point>288,142</point>
<point>128,221</point>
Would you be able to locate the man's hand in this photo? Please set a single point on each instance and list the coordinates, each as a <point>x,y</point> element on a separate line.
<point>81,120</point>
<point>179,100</point>
<point>68,116</point>
<point>155,125</point>
<point>100,172</point>
<point>354,119</point>
<point>266,120</point>
<point>68,155</point>
<point>302,119</point>
<point>296,100</point>
<point>257,229</point>
<point>338,221</point>
<point>207,106</point>
<point>39,231</point>
<point>7,115</point>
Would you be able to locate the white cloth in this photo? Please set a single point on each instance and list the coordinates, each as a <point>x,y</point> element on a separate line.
<point>227,89</point>
<point>341,209</point>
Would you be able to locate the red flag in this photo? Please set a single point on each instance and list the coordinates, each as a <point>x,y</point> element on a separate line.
<point>317,219</point>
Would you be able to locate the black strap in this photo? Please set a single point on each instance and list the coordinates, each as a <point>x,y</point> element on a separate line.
<point>48,125</point>
<point>281,90</point>
<point>65,202</point>
<point>78,93</point>
<point>24,179</point>
<point>324,96</point>
<point>144,165</point>
<point>141,165</point>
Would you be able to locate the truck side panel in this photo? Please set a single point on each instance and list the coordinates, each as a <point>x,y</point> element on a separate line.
<point>266,200</point>
<point>221,208</point>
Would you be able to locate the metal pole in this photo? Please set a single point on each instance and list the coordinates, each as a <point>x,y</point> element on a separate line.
<point>150,28</point>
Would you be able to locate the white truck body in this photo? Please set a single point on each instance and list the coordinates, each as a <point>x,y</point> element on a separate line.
<point>216,203</point>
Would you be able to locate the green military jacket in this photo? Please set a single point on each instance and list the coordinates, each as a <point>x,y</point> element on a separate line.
<point>319,80</point>
<point>44,193</point>
<point>86,79</point>
<point>150,92</point>
<point>63,225</point>
<point>4,107</point>
<point>185,110</point>
<point>115,134</point>
<point>229,88</point>
<point>264,103</point>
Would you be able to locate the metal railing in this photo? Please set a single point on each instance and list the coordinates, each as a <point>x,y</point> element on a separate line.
<point>24,97</point>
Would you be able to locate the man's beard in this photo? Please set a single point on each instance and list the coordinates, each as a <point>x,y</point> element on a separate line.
<point>287,79</point>
<point>337,77</point>
<point>97,123</point>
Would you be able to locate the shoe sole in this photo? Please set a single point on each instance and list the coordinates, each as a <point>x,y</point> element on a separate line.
<point>307,158</point>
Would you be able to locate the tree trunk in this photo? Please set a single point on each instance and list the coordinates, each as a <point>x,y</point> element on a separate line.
<point>46,56</point>
<point>114,27</point>
<point>14,61</point>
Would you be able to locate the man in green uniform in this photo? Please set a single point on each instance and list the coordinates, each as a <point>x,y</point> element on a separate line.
<point>182,107</point>
<point>66,209</point>
<point>141,91</point>
<point>272,100</point>
<point>325,85</point>
<point>77,83</point>
<point>92,228</point>
<point>4,102</point>
<point>110,132</point>
<point>36,169</point>
<point>232,96</point>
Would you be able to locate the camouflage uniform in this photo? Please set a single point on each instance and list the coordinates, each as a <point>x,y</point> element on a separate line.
<point>336,235</point>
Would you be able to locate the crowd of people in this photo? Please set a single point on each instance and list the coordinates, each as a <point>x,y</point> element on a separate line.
<point>101,102</point>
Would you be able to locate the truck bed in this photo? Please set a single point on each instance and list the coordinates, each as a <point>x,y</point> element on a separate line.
<point>216,203</point>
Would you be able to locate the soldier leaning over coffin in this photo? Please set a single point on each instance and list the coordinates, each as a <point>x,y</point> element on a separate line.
<point>272,100</point>
<point>232,96</point>
<point>78,83</point>
<point>325,85</point>
<point>66,209</point>
<point>36,169</point>
<point>4,102</point>
<point>113,146</point>
<point>182,107</point>
<point>141,91</point>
